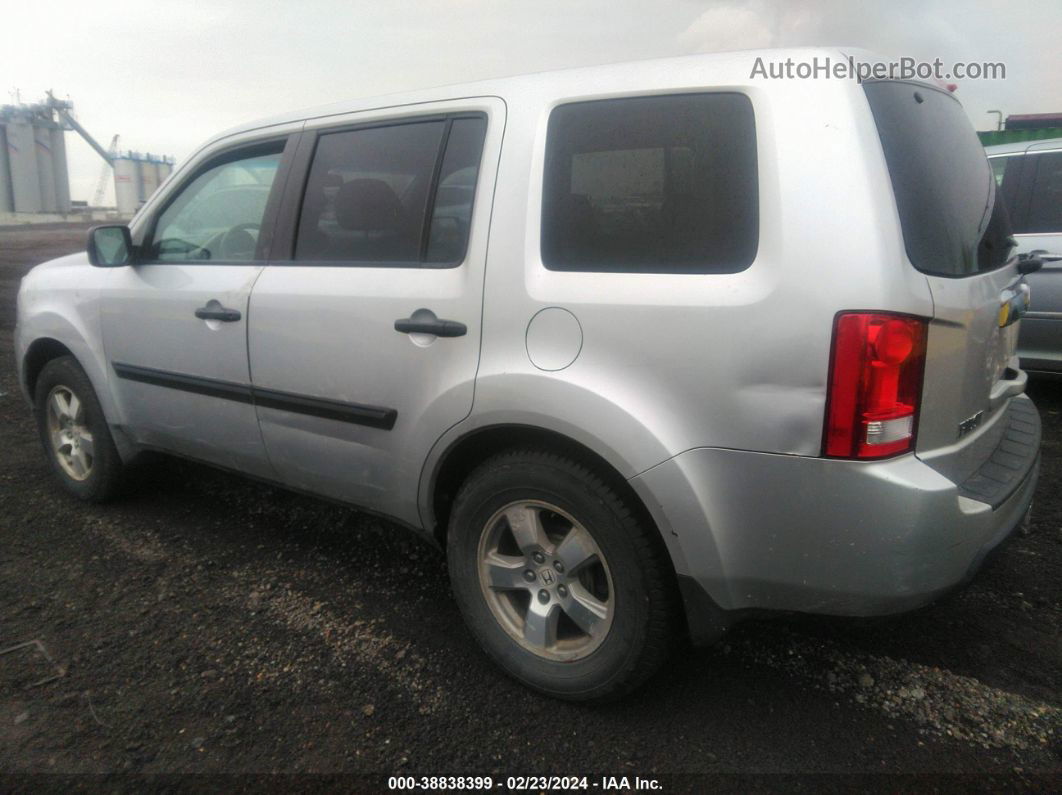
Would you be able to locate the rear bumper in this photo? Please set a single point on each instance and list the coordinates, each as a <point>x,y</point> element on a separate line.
<point>763,531</point>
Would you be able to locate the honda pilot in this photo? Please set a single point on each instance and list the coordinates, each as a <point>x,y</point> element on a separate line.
<point>645,348</point>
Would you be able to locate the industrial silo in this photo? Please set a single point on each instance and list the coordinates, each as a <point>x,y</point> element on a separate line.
<point>149,177</point>
<point>7,205</point>
<point>59,167</point>
<point>34,172</point>
<point>126,185</point>
<point>165,169</point>
<point>42,146</point>
<point>22,161</point>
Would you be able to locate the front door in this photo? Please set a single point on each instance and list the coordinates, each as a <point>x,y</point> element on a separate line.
<point>364,346</point>
<point>175,324</point>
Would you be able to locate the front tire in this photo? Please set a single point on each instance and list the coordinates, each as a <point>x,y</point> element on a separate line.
<point>74,432</point>
<point>557,578</point>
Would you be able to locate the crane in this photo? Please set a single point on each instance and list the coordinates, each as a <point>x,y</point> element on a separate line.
<point>101,186</point>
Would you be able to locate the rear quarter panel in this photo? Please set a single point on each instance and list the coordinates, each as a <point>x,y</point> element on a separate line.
<point>673,362</point>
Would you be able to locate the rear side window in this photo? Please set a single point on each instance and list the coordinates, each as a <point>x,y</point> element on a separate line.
<point>1045,204</point>
<point>953,218</point>
<point>371,192</point>
<point>651,185</point>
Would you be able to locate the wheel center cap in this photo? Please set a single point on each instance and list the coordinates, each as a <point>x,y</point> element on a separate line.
<point>547,576</point>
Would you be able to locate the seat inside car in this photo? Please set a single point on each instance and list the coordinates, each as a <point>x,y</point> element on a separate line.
<point>371,210</point>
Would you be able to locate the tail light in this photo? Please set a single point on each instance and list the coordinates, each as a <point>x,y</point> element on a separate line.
<point>876,368</point>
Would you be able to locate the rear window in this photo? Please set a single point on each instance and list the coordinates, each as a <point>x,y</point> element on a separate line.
<point>651,185</point>
<point>954,221</point>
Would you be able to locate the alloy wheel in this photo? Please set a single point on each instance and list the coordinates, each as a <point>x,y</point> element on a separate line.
<point>71,440</point>
<point>546,580</point>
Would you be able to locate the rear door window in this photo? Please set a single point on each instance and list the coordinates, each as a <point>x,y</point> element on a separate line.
<point>398,195</point>
<point>1045,204</point>
<point>367,194</point>
<point>651,185</point>
<point>953,218</point>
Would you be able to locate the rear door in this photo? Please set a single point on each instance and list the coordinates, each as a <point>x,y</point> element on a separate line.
<point>955,230</point>
<point>364,342</point>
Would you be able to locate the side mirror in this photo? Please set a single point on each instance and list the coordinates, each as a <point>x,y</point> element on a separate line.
<point>1034,260</point>
<point>110,246</point>
<point>1027,263</point>
<point>1046,256</point>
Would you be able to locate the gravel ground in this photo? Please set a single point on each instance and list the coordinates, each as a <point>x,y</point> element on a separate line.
<point>206,624</point>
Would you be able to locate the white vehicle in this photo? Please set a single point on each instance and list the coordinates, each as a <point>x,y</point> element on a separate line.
<point>643,347</point>
<point>1029,175</point>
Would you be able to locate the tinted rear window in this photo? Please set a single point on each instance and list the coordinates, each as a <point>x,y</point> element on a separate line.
<point>651,185</point>
<point>954,222</point>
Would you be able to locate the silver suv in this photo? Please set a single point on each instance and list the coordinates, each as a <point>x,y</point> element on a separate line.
<point>644,347</point>
<point>1029,175</point>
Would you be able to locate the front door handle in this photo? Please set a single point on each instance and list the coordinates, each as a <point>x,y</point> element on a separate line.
<point>215,311</point>
<point>423,321</point>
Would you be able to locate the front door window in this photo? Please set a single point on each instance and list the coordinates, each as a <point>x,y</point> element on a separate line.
<point>218,215</point>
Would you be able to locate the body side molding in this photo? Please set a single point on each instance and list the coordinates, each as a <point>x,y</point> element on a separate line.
<point>356,413</point>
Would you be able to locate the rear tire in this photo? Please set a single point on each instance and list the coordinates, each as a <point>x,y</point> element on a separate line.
<point>74,432</point>
<point>557,578</point>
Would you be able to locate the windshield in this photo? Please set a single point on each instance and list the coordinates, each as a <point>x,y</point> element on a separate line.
<point>954,222</point>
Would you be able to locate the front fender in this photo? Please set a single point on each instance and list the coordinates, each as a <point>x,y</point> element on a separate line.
<point>51,310</point>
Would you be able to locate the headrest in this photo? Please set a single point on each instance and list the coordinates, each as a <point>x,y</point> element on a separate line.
<point>368,205</point>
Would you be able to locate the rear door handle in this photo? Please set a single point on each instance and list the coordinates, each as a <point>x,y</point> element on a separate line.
<point>215,311</point>
<point>423,321</point>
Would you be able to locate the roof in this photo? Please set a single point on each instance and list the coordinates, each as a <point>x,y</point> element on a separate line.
<point>735,67</point>
<point>1021,146</point>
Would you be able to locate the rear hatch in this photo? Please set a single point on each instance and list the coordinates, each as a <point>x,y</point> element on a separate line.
<point>956,232</point>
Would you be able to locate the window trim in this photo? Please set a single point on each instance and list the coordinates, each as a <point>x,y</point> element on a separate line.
<point>433,192</point>
<point>701,270</point>
<point>286,237</point>
<point>266,237</point>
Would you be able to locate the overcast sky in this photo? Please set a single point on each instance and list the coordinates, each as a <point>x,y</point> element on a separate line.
<point>166,74</point>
